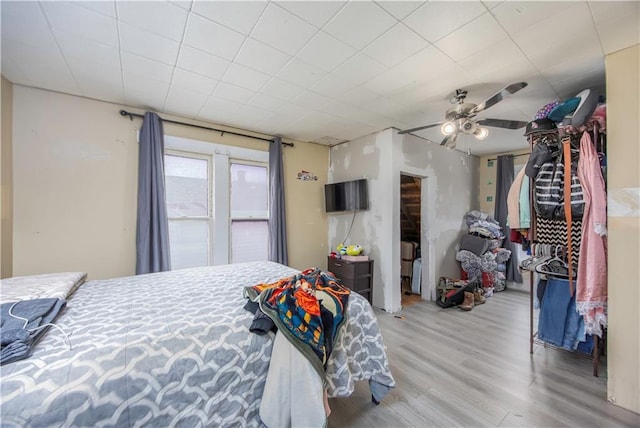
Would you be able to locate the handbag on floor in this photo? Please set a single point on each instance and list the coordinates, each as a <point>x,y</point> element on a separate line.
<point>450,292</point>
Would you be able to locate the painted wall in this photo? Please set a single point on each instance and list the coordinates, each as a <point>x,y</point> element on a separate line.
<point>75,184</point>
<point>451,188</point>
<point>623,181</point>
<point>6,180</point>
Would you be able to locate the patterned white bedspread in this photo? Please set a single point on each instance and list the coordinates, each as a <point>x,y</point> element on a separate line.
<point>48,285</point>
<point>169,349</point>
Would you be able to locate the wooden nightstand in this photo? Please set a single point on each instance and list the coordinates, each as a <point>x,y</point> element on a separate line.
<point>357,276</point>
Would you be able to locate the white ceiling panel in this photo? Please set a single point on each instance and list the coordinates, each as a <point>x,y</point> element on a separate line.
<point>148,44</point>
<point>70,18</point>
<point>105,7</point>
<point>184,102</point>
<point>266,102</point>
<point>318,70</point>
<point>359,23</point>
<point>193,81</point>
<point>212,37</point>
<point>314,12</point>
<point>300,73</point>
<point>202,62</point>
<point>484,31</point>
<point>325,51</point>
<point>281,89</point>
<point>247,78</point>
<point>400,9</point>
<point>434,20</point>
<point>25,23</point>
<point>396,45</point>
<point>359,69</point>
<point>144,67</point>
<point>618,23</point>
<point>168,19</point>
<point>261,57</point>
<point>239,15</point>
<point>283,30</point>
<point>231,92</point>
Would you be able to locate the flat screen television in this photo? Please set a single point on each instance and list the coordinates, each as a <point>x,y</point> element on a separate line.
<point>346,196</point>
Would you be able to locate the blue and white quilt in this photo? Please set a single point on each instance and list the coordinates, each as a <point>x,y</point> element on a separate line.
<point>169,349</point>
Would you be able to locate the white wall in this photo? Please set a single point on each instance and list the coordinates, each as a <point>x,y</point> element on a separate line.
<point>451,191</point>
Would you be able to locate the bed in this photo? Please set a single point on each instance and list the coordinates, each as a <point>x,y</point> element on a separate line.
<point>170,349</point>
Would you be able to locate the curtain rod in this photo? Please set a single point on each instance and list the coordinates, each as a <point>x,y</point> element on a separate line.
<point>221,131</point>
<point>515,156</point>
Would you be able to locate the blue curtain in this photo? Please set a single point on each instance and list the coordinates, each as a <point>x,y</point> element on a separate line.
<point>504,180</point>
<point>277,219</point>
<point>152,229</point>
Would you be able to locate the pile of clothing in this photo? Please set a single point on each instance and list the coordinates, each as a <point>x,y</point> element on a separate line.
<point>480,253</point>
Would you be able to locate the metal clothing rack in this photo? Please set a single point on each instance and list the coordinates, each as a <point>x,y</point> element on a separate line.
<point>560,132</point>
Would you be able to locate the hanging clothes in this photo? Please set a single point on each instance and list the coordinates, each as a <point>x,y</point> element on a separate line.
<point>591,284</point>
<point>513,202</point>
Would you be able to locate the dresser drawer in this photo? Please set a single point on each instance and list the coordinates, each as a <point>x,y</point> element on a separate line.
<point>357,276</point>
<point>342,269</point>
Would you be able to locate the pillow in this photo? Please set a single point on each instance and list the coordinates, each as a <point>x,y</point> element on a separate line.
<point>49,285</point>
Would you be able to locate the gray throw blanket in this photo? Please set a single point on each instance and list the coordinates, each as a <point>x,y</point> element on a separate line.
<point>19,335</point>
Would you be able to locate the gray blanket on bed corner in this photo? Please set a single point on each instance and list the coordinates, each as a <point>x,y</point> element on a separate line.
<point>23,323</point>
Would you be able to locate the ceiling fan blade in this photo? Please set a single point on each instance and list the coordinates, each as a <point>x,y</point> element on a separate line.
<point>449,140</point>
<point>498,96</point>
<point>406,131</point>
<point>502,123</point>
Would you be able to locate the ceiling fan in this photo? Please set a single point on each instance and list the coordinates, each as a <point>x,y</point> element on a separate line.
<point>460,117</point>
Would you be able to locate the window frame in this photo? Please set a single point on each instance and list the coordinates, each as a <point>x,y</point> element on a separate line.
<point>222,156</point>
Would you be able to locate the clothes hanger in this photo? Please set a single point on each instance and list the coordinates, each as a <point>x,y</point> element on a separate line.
<point>555,266</point>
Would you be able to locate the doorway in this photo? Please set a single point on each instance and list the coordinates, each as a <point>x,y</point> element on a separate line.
<point>410,237</point>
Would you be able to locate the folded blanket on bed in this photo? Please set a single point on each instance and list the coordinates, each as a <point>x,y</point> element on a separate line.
<point>49,285</point>
<point>308,308</point>
<point>23,323</point>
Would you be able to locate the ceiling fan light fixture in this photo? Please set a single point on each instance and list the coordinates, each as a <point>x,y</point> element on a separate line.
<point>448,128</point>
<point>481,133</point>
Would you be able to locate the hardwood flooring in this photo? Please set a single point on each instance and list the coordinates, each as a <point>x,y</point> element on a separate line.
<point>472,369</point>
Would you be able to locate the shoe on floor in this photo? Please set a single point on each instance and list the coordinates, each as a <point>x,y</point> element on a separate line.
<point>478,299</point>
<point>467,304</point>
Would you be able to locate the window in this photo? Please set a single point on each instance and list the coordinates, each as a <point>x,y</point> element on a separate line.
<point>217,203</point>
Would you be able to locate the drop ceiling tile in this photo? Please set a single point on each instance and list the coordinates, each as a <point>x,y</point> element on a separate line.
<point>358,96</point>
<point>233,92</point>
<point>517,16</point>
<point>168,19</point>
<point>618,24</point>
<point>290,113</point>
<point>396,45</point>
<point>135,65</point>
<point>70,18</point>
<point>239,15</point>
<point>359,69</point>
<point>193,81</point>
<point>54,80</point>
<point>14,72</point>
<point>105,88</point>
<point>325,52</point>
<point>281,89</point>
<point>212,37</point>
<point>420,67</point>
<point>261,57</point>
<point>354,114</point>
<point>243,76</point>
<point>184,102</point>
<point>145,93</point>
<point>104,7</point>
<point>266,102</point>
<point>148,44</point>
<point>79,48</point>
<point>83,68</point>
<point>484,32</point>
<point>499,63</point>
<point>25,22</point>
<point>300,73</point>
<point>185,4</point>
<point>39,60</point>
<point>314,12</point>
<point>250,114</point>
<point>217,110</point>
<point>400,9</point>
<point>359,23</point>
<point>434,20</point>
<point>311,100</point>
<point>388,82</point>
<point>282,30</point>
<point>202,62</point>
<point>331,86</point>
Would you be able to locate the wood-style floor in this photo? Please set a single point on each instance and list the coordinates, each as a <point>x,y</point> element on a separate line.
<point>472,369</point>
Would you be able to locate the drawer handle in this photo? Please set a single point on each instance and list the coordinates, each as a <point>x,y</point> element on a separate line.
<point>338,264</point>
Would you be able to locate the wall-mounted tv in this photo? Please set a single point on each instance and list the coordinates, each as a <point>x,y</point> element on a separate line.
<point>346,196</point>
